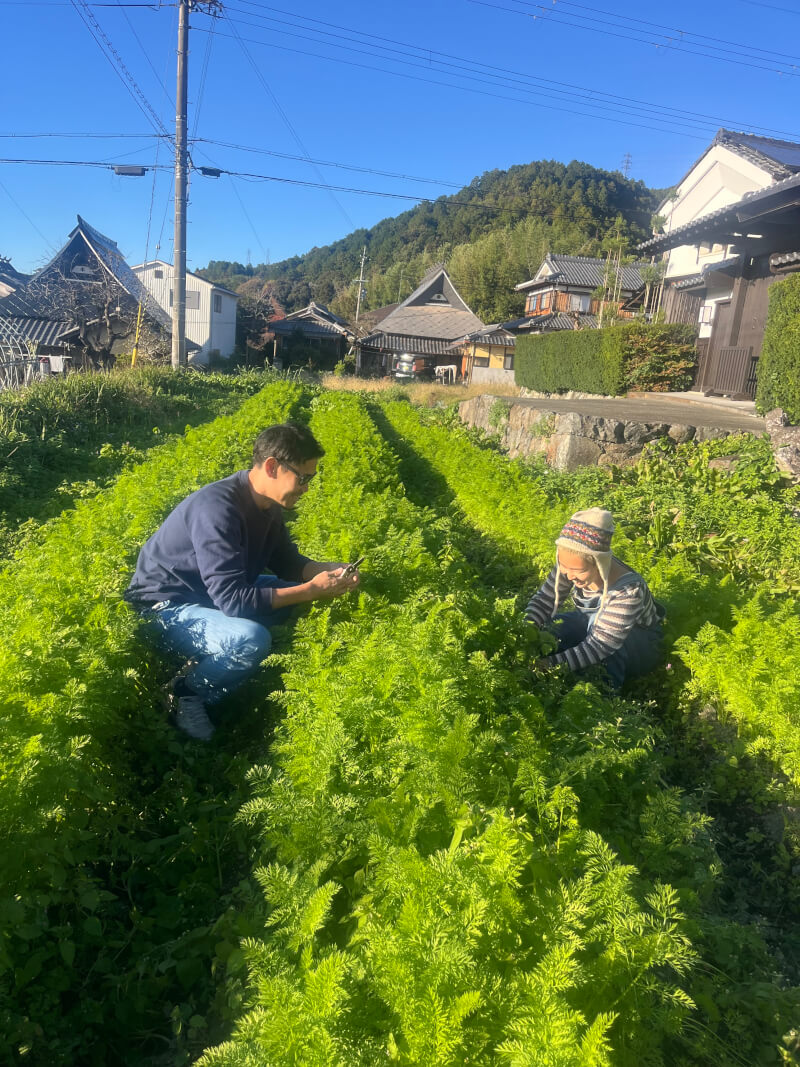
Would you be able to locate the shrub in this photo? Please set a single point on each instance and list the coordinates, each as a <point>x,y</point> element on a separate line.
<point>779,365</point>
<point>640,355</point>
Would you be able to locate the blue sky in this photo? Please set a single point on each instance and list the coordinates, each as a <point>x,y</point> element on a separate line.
<point>434,89</point>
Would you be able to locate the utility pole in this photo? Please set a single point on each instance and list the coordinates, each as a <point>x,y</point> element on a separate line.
<point>179,252</point>
<point>181,179</point>
<point>361,281</point>
<point>627,159</point>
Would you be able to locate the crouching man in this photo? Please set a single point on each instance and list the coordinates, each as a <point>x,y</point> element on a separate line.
<point>199,577</point>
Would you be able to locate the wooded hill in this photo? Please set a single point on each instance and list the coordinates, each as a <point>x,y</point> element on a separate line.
<point>492,235</point>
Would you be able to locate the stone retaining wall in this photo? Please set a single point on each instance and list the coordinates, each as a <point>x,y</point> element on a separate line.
<point>567,439</point>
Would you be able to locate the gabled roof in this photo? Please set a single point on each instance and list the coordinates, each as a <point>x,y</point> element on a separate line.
<point>35,300</point>
<point>736,219</point>
<point>558,320</point>
<point>489,335</point>
<point>780,159</point>
<point>584,271</point>
<point>313,320</point>
<point>434,310</point>
<point>189,274</point>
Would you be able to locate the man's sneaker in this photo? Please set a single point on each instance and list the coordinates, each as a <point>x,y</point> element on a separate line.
<point>189,712</point>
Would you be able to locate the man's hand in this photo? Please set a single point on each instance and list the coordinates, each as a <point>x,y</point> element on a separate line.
<point>329,584</point>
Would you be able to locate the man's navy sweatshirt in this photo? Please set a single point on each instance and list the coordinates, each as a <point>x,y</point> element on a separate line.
<point>211,549</point>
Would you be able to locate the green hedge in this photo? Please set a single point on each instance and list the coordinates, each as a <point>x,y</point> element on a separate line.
<point>637,355</point>
<point>779,365</point>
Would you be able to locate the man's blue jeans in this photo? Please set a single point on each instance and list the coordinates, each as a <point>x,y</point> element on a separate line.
<point>639,654</point>
<point>227,650</point>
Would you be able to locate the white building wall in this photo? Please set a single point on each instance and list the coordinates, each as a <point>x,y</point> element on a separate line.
<point>720,178</point>
<point>214,332</point>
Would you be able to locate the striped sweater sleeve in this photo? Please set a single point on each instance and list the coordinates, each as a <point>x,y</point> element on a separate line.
<point>540,606</point>
<point>622,611</point>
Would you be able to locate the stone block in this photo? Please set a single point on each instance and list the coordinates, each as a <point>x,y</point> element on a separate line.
<point>680,434</point>
<point>566,452</point>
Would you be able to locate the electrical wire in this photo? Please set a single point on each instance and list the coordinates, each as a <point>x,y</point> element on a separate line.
<point>285,117</point>
<point>122,72</point>
<point>406,49</point>
<point>329,163</point>
<point>698,136</point>
<point>548,15</point>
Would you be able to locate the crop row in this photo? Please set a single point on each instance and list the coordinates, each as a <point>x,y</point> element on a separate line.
<point>665,828</point>
<point>67,438</point>
<point>82,749</point>
<point>430,893</point>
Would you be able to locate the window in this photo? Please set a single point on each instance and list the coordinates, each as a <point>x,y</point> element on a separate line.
<point>706,313</point>
<point>218,302</point>
<point>545,302</point>
<point>158,273</point>
<point>192,299</point>
<point>481,361</point>
<point>508,362</point>
<point>579,301</point>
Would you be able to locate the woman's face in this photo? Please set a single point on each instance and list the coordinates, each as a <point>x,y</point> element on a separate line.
<point>581,571</point>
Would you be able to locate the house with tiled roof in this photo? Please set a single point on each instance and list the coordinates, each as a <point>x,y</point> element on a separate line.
<point>760,234</point>
<point>315,326</point>
<point>563,294</point>
<point>85,302</point>
<point>420,330</point>
<point>698,272</point>
<point>487,355</point>
<point>702,244</point>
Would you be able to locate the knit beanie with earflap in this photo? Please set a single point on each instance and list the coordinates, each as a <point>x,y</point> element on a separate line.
<point>588,532</point>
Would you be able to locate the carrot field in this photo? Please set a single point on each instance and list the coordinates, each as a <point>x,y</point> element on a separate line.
<point>403,845</point>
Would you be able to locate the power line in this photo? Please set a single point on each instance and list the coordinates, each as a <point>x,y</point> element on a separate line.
<point>283,115</point>
<point>745,49</point>
<point>699,136</point>
<point>548,15</point>
<point>329,163</point>
<point>122,72</point>
<point>441,202</point>
<point>620,113</point>
<point>425,54</point>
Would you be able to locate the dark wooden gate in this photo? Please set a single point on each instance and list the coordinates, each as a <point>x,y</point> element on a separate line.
<point>736,375</point>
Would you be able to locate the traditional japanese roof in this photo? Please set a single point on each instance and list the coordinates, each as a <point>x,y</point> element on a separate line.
<point>723,266</point>
<point>435,311</point>
<point>10,279</point>
<point>583,271</point>
<point>418,346</point>
<point>489,335</point>
<point>559,320</point>
<point>735,222</point>
<point>74,270</point>
<point>784,260</point>
<point>313,321</point>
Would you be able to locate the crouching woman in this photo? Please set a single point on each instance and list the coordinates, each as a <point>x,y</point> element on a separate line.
<point>616,622</point>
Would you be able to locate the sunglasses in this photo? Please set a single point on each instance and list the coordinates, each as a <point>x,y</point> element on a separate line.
<point>302,479</point>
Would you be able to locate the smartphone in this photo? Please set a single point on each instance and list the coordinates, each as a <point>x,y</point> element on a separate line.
<point>351,568</point>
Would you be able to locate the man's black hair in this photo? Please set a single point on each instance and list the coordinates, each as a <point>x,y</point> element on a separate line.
<point>288,442</point>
